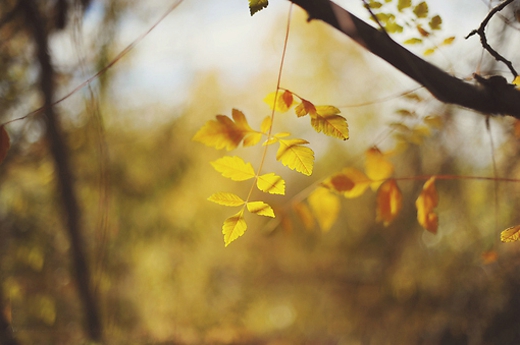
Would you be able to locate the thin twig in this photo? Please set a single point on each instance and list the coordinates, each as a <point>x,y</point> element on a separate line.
<point>483,39</point>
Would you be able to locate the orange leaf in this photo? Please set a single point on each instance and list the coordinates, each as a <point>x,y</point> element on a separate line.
<point>426,203</point>
<point>377,167</point>
<point>284,100</point>
<point>350,181</point>
<point>304,108</point>
<point>4,143</point>
<point>389,202</point>
<point>511,234</point>
<point>489,257</point>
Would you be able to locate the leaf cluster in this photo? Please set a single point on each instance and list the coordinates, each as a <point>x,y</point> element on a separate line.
<point>229,132</point>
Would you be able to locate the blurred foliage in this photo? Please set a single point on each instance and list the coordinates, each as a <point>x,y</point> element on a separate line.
<point>161,272</point>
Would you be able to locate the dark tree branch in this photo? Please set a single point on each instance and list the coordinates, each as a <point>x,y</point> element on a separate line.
<point>487,98</point>
<point>483,39</point>
<point>60,154</point>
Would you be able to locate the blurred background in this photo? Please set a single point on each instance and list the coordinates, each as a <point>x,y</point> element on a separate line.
<point>160,271</point>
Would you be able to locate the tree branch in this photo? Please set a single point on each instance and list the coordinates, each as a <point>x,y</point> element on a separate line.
<point>483,39</point>
<point>60,154</point>
<point>486,98</point>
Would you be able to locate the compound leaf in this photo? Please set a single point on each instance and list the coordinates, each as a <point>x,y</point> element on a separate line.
<point>234,168</point>
<point>234,227</point>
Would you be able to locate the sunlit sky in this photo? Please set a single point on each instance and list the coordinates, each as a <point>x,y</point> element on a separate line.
<point>203,35</point>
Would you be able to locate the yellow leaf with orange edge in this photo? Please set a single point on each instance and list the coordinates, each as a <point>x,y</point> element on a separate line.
<point>426,203</point>
<point>226,199</point>
<point>511,234</point>
<point>4,143</point>
<point>305,214</point>
<point>271,183</point>
<point>234,227</point>
<point>350,181</point>
<point>234,168</point>
<point>325,206</point>
<point>327,120</point>
<point>389,202</point>
<point>260,208</point>
<point>295,156</point>
<point>282,101</point>
<point>377,167</point>
<point>304,108</point>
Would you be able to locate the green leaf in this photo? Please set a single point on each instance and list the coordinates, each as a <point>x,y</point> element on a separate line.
<point>402,4</point>
<point>421,10</point>
<point>257,5</point>
<point>435,23</point>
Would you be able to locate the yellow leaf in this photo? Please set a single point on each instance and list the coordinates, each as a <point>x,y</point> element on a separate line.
<point>4,143</point>
<point>284,100</point>
<point>511,234</point>
<point>252,139</point>
<point>377,167</point>
<point>260,208</point>
<point>234,168</point>
<point>326,119</point>
<point>325,207</point>
<point>220,134</point>
<point>226,199</point>
<point>266,125</point>
<point>234,227</point>
<point>304,108</point>
<point>426,203</point>
<point>448,40</point>
<point>295,156</point>
<point>305,214</point>
<point>350,181</point>
<point>429,51</point>
<point>389,202</point>
<point>271,183</point>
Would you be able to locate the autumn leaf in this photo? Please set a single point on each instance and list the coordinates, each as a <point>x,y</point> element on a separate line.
<point>234,227</point>
<point>421,10</point>
<point>402,4</point>
<point>260,208</point>
<point>389,202</point>
<point>266,124</point>
<point>284,100</point>
<point>426,203</point>
<point>4,143</point>
<point>271,183</point>
<point>305,214</point>
<point>511,234</point>
<point>377,167</point>
<point>489,257</point>
<point>257,5</point>
<point>435,22</point>
<point>326,119</point>
<point>295,156</point>
<point>304,108</point>
<point>226,199</point>
<point>234,168</point>
<point>223,133</point>
<point>350,181</point>
<point>325,207</point>
<point>448,40</point>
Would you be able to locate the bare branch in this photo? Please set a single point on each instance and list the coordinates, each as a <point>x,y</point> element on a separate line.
<point>483,39</point>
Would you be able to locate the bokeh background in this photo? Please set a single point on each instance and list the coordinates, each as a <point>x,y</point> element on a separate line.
<point>160,269</point>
